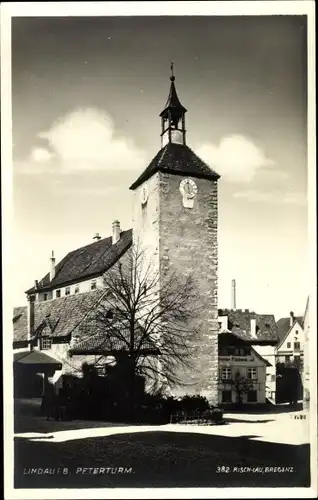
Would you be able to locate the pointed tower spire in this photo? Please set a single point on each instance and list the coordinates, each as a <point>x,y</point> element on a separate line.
<point>173,117</point>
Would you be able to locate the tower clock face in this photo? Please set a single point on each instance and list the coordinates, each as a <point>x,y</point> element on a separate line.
<point>144,195</point>
<point>188,188</point>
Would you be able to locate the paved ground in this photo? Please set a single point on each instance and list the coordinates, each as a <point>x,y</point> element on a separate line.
<point>96,454</point>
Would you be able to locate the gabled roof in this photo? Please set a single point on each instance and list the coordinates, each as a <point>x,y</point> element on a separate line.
<point>239,323</point>
<point>283,326</point>
<point>56,318</point>
<point>176,159</point>
<point>85,262</point>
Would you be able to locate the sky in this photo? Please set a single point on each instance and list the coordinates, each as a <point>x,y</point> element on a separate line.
<point>86,98</point>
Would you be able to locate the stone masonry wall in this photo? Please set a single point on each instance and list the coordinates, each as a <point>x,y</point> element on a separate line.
<point>188,244</point>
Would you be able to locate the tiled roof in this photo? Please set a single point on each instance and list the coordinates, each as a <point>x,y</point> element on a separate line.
<point>19,324</point>
<point>91,260</point>
<point>283,326</point>
<point>59,317</point>
<point>239,323</point>
<point>106,343</point>
<point>176,159</point>
<point>73,317</point>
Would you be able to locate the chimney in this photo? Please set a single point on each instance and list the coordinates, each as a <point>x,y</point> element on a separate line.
<point>233,305</point>
<point>291,318</point>
<point>224,322</point>
<point>253,327</point>
<point>30,323</point>
<point>52,270</point>
<point>97,237</point>
<point>116,231</point>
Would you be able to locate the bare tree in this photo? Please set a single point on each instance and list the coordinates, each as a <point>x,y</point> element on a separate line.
<point>242,385</point>
<point>145,319</point>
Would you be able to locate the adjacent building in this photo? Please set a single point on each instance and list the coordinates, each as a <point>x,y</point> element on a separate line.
<point>290,349</point>
<point>242,371</point>
<point>247,343</point>
<point>258,336</point>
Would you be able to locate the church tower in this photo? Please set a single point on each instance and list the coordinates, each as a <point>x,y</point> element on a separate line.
<point>175,217</point>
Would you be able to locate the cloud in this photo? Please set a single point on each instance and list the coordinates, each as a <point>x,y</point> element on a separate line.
<point>41,155</point>
<point>236,158</point>
<point>84,140</point>
<point>272,197</point>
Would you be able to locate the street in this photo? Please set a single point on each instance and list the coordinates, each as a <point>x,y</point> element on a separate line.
<point>249,450</point>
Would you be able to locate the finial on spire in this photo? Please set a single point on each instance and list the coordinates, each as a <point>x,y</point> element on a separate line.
<point>172,117</point>
<point>172,77</point>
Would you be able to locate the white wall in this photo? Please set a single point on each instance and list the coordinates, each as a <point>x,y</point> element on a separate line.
<point>269,353</point>
<point>71,365</point>
<point>223,320</point>
<point>296,334</point>
<point>40,297</point>
<point>84,286</point>
<point>146,221</point>
<point>241,364</point>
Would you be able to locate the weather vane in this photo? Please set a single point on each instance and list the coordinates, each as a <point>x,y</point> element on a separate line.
<point>172,75</point>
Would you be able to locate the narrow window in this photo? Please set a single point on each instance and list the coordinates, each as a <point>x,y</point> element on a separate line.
<point>76,289</point>
<point>93,285</point>
<point>46,343</point>
<point>67,290</point>
<point>226,373</point>
<point>252,373</point>
<point>58,294</point>
<point>288,345</point>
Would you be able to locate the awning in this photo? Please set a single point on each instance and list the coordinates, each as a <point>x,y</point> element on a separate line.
<point>36,359</point>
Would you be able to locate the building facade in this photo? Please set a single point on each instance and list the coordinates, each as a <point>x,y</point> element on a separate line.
<point>255,357</point>
<point>175,218</point>
<point>290,349</point>
<point>242,372</point>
